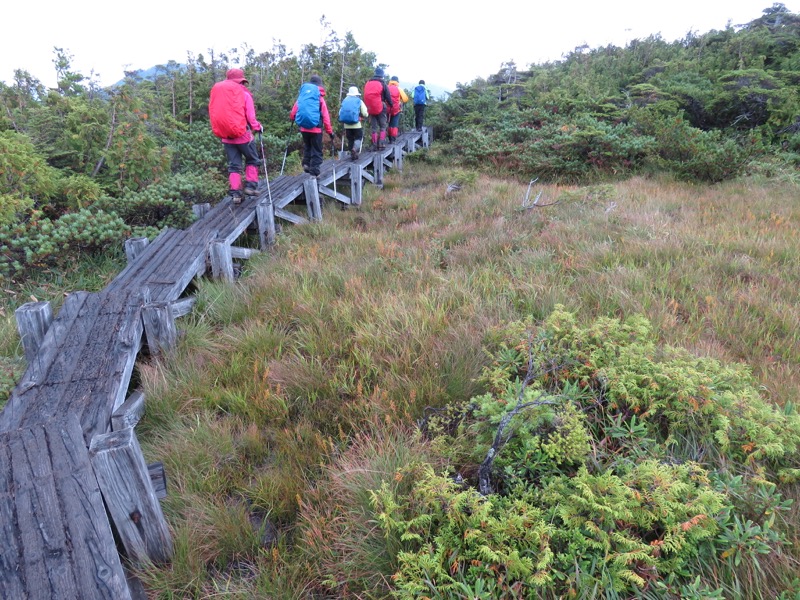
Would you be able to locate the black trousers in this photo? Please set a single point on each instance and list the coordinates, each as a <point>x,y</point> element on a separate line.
<point>235,152</point>
<point>312,151</point>
<point>354,134</point>
<point>419,115</point>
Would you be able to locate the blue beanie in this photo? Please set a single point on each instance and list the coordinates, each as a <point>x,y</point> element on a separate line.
<point>378,72</point>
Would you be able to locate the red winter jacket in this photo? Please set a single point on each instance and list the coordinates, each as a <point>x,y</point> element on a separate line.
<point>376,95</point>
<point>399,97</point>
<point>249,112</point>
<point>323,111</point>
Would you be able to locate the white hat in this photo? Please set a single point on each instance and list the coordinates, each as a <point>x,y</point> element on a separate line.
<point>353,91</point>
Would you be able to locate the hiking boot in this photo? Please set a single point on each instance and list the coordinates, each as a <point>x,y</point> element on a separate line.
<point>353,154</point>
<point>236,196</point>
<point>251,188</point>
<point>306,169</point>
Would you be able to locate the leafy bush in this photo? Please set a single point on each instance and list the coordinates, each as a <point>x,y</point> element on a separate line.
<point>25,177</point>
<point>40,241</point>
<point>164,204</point>
<point>606,465</point>
<point>555,149</point>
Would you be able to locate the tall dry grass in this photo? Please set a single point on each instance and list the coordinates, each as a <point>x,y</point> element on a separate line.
<point>297,389</point>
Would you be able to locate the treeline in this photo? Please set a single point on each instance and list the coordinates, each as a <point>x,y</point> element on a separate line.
<point>708,107</point>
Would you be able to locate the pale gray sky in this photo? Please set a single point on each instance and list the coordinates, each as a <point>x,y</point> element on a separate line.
<point>443,41</point>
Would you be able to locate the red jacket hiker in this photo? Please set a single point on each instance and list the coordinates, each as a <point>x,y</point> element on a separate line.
<point>233,120</point>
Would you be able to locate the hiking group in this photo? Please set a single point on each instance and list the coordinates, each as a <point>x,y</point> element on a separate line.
<point>233,120</point>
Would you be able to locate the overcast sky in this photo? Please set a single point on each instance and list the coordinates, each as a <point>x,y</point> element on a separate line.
<point>441,41</point>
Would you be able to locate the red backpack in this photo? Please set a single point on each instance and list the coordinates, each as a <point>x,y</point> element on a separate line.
<point>226,110</point>
<point>373,96</point>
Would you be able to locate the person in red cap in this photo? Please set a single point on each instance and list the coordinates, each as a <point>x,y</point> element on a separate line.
<point>233,120</point>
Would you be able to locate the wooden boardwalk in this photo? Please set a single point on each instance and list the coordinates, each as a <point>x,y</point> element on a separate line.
<point>72,476</point>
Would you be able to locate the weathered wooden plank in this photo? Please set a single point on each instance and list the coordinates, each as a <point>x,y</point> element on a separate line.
<point>244,253</point>
<point>129,412</point>
<point>12,570</point>
<point>183,306</point>
<point>33,321</point>
<point>57,542</point>
<point>201,210</point>
<point>290,216</point>
<point>58,336</point>
<point>132,269</point>
<point>128,491</point>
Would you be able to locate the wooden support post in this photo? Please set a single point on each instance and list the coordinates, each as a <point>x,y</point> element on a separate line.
<point>158,477</point>
<point>377,165</point>
<point>33,321</point>
<point>221,261</point>
<point>201,210</point>
<point>411,143</point>
<point>356,183</point>
<point>134,247</point>
<point>311,192</point>
<point>265,215</point>
<point>125,483</point>
<point>398,157</point>
<point>159,327</point>
<point>426,137</point>
<point>129,413</point>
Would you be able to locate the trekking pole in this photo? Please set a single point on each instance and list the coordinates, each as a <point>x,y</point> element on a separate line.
<point>285,152</point>
<point>264,162</point>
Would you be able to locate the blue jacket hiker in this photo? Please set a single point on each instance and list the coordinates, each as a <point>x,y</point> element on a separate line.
<point>350,115</point>
<point>310,112</point>
<point>421,96</point>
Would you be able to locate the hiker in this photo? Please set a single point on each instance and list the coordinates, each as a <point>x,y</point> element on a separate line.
<point>350,114</point>
<point>399,97</point>
<point>421,97</point>
<point>233,119</point>
<point>379,102</point>
<point>310,112</point>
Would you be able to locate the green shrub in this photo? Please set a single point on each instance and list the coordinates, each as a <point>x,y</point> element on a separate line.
<point>165,204</point>
<point>637,467</point>
<point>40,241</point>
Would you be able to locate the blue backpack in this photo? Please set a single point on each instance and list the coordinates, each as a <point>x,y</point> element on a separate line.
<point>308,113</point>
<point>420,94</point>
<point>350,110</point>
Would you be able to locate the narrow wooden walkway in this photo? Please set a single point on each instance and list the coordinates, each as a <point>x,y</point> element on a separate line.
<point>72,476</point>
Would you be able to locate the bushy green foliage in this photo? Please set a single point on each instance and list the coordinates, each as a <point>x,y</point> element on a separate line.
<point>691,153</point>
<point>25,177</point>
<point>164,204</point>
<point>40,241</point>
<point>636,466</point>
<point>196,150</point>
<point>554,148</point>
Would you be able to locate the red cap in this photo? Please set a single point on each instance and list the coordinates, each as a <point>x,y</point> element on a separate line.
<point>237,75</point>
